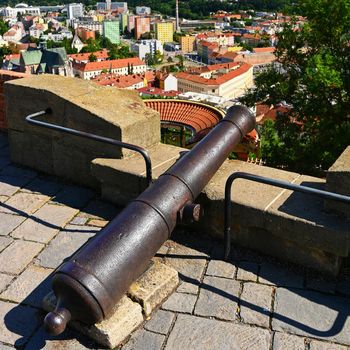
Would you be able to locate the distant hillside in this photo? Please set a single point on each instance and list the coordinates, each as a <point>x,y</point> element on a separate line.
<point>191,9</point>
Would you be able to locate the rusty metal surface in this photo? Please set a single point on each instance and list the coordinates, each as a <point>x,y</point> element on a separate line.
<point>100,273</point>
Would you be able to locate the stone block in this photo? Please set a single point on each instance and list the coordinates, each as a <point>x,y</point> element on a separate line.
<point>45,223</point>
<point>9,222</point>
<point>256,301</point>
<point>319,345</point>
<point>74,196</point>
<point>30,287</point>
<point>338,181</point>
<point>32,150</point>
<point>111,332</point>
<point>4,281</point>
<point>160,322</point>
<point>142,339</point>
<point>24,203</point>
<point>283,341</point>
<point>18,255</point>
<point>218,297</point>
<point>71,238</point>
<point>154,286</point>
<point>200,333</point>
<point>221,268</point>
<point>5,242</point>
<point>180,302</point>
<point>279,276</point>
<point>10,184</point>
<point>17,323</point>
<point>313,314</point>
<point>247,271</point>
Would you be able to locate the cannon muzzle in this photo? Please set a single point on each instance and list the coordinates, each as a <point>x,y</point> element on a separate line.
<point>93,280</point>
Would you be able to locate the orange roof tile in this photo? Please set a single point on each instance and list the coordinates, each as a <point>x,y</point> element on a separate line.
<point>264,49</point>
<point>103,54</point>
<point>121,63</point>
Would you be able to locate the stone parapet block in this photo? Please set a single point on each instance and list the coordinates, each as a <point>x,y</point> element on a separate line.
<point>124,179</point>
<point>338,181</point>
<point>143,297</point>
<point>81,105</point>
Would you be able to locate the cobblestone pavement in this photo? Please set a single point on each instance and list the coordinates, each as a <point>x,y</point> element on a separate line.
<point>251,302</point>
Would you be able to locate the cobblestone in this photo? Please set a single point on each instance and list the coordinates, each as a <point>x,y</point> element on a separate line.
<point>42,186</point>
<point>283,341</point>
<point>10,185</point>
<point>17,323</point>
<point>313,314</point>
<point>142,340</point>
<point>5,242</point>
<point>247,271</point>
<point>30,287</point>
<point>13,170</point>
<point>256,300</point>
<point>24,203</point>
<point>74,196</point>
<point>192,333</point>
<point>180,302</point>
<point>317,345</point>
<point>279,276</point>
<point>220,268</point>
<point>18,255</point>
<point>45,223</point>
<point>218,298</point>
<point>160,322</point>
<point>4,281</point>
<point>72,238</point>
<point>9,222</point>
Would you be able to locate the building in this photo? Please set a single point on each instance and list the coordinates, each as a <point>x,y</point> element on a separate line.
<point>143,10</point>
<point>120,7</point>
<point>14,34</point>
<point>84,57</point>
<point>144,47</point>
<point>89,25</point>
<point>164,31</point>
<point>206,49</point>
<point>229,80</point>
<point>77,43</point>
<point>131,22</point>
<point>128,82</point>
<point>48,61</point>
<point>142,25</point>
<point>166,82</point>
<point>85,34</point>
<point>123,66</point>
<point>187,43</point>
<point>111,31</point>
<point>123,21</point>
<point>75,11</point>
<point>11,12</point>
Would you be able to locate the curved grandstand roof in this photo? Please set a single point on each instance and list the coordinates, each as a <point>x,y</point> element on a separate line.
<point>195,115</point>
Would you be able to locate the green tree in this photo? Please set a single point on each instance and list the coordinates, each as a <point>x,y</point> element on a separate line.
<point>3,27</point>
<point>313,76</point>
<point>92,58</point>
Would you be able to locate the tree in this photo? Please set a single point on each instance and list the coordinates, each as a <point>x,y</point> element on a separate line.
<point>313,76</point>
<point>92,58</point>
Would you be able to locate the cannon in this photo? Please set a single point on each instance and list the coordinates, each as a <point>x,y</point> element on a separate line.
<point>94,279</point>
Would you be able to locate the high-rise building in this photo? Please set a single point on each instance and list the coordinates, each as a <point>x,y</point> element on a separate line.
<point>187,43</point>
<point>131,22</point>
<point>75,11</point>
<point>164,32</point>
<point>123,21</point>
<point>143,10</point>
<point>111,31</point>
<point>142,25</point>
<point>145,47</point>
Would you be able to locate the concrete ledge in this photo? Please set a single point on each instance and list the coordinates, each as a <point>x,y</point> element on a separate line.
<point>144,296</point>
<point>338,181</point>
<point>124,179</point>
<point>272,220</point>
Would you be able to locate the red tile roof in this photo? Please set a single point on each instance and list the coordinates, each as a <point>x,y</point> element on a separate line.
<point>121,63</point>
<point>215,81</point>
<point>118,81</point>
<point>264,49</point>
<point>103,54</point>
<point>158,92</point>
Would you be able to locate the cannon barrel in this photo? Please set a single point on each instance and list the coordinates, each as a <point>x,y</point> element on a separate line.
<point>93,280</point>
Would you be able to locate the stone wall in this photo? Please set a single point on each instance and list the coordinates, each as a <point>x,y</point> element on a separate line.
<point>81,105</point>
<point>6,75</point>
<point>277,222</point>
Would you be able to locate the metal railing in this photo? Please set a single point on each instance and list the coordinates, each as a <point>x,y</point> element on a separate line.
<point>272,182</point>
<point>31,119</point>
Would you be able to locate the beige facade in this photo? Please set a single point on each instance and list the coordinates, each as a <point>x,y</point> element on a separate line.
<point>187,43</point>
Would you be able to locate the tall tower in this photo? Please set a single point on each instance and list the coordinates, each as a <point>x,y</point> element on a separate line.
<point>177,16</point>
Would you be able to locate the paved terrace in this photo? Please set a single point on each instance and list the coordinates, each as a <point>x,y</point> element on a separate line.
<point>252,302</point>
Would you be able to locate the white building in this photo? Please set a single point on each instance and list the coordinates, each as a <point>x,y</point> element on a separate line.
<point>143,10</point>
<point>89,25</point>
<point>14,34</point>
<point>58,36</point>
<point>11,12</point>
<point>146,47</point>
<point>75,11</point>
